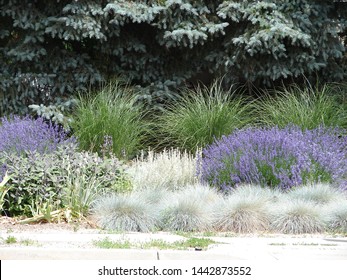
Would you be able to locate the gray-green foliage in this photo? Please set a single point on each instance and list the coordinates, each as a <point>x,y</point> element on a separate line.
<point>53,48</point>
<point>170,170</point>
<point>64,178</point>
<point>3,190</point>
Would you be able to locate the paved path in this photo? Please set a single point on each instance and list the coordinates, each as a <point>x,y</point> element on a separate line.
<point>67,245</point>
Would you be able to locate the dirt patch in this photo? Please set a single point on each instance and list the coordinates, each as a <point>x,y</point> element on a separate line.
<point>14,225</point>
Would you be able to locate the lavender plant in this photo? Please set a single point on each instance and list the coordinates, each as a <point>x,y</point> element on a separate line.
<point>19,134</point>
<point>106,148</point>
<point>279,158</point>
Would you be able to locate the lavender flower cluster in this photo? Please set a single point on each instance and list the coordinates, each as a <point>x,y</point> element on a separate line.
<point>19,134</point>
<point>278,158</point>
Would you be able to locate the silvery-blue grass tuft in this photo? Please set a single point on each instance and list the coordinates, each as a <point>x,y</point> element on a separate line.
<point>320,193</point>
<point>190,209</point>
<point>256,192</point>
<point>336,217</point>
<point>297,217</point>
<point>242,213</point>
<point>125,212</point>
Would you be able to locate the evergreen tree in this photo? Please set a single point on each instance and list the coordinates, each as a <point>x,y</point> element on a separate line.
<point>51,49</point>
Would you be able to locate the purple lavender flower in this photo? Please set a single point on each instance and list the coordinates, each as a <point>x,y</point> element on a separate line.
<point>275,157</point>
<point>106,148</point>
<point>19,134</point>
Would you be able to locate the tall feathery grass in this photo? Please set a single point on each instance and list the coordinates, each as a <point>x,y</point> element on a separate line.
<point>111,113</point>
<point>203,114</point>
<point>307,108</point>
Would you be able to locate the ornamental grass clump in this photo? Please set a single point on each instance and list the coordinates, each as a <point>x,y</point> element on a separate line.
<point>157,197</point>
<point>243,211</point>
<point>20,134</point>
<point>308,108</point>
<point>125,212</point>
<point>190,209</point>
<point>256,192</point>
<point>277,158</point>
<point>337,217</point>
<point>297,217</point>
<point>203,114</point>
<point>320,193</point>
<point>113,117</point>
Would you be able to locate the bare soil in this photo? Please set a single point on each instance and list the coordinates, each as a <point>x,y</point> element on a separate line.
<point>14,225</point>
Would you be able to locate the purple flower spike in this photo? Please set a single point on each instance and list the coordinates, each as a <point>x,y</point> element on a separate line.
<point>19,134</point>
<point>279,158</point>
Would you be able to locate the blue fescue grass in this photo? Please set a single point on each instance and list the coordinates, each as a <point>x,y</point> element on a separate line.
<point>297,217</point>
<point>245,210</point>
<point>336,216</point>
<point>318,193</point>
<point>190,209</point>
<point>125,212</point>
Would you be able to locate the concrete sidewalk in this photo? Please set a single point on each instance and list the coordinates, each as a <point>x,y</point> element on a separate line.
<point>80,246</point>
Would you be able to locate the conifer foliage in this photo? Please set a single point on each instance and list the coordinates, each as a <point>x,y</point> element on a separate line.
<point>51,49</point>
